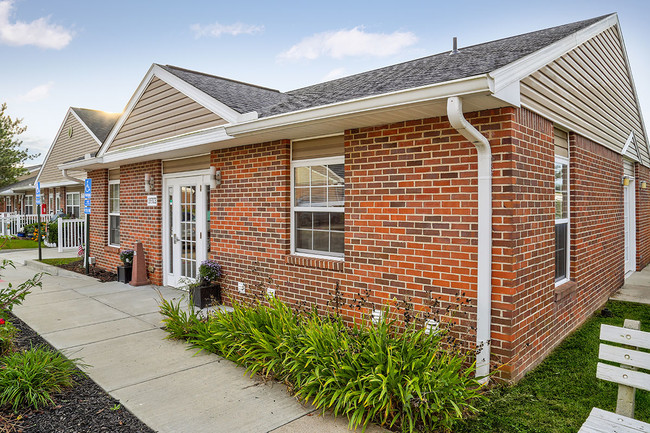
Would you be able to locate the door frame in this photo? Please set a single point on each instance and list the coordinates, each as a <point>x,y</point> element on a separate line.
<point>629,214</point>
<point>202,240</point>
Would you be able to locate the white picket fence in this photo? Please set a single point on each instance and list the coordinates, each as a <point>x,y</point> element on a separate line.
<point>10,225</point>
<point>71,233</point>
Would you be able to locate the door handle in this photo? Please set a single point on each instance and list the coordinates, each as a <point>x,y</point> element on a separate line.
<point>175,238</point>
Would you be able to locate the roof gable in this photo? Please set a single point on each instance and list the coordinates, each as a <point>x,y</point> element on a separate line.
<point>73,138</point>
<point>590,91</point>
<point>99,123</point>
<point>162,112</point>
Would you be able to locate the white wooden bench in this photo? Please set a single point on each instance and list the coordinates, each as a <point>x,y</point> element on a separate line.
<point>627,376</point>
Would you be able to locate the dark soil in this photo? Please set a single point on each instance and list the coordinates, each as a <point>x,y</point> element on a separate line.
<point>84,408</point>
<point>95,272</point>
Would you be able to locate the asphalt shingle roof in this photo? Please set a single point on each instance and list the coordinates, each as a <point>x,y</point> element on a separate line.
<point>99,122</point>
<point>438,68</point>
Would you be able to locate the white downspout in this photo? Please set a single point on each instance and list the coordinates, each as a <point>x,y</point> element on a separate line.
<point>484,295</point>
<point>64,172</point>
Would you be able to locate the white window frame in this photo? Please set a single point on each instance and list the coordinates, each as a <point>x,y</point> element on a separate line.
<point>567,220</point>
<point>29,201</point>
<point>110,214</point>
<point>8,204</point>
<point>68,201</point>
<point>306,163</point>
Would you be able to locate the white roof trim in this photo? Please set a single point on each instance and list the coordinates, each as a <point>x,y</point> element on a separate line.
<point>631,140</point>
<point>463,86</point>
<point>197,138</point>
<point>218,108</point>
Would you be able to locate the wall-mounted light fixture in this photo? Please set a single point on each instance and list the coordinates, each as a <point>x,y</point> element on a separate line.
<point>626,181</point>
<point>215,177</point>
<point>148,183</point>
<point>644,184</point>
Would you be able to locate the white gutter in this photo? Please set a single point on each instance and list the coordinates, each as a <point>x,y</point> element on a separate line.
<point>64,173</point>
<point>484,292</point>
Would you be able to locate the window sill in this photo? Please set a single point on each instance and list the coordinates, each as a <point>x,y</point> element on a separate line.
<point>111,249</point>
<point>565,290</point>
<point>313,262</point>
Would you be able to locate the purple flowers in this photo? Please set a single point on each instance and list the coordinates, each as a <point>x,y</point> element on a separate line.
<point>127,256</point>
<point>210,271</point>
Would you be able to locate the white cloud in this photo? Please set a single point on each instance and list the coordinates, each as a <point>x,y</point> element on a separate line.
<point>37,93</point>
<point>39,32</point>
<point>334,74</point>
<point>354,42</point>
<point>218,29</point>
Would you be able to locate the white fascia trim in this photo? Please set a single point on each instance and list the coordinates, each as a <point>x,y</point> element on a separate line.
<point>58,184</point>
<point>631,140</point>
<point>49,151</point>
<point>520,69</point>
<point>476,84</point>
<point>191,139</point>
<point>220,109</point>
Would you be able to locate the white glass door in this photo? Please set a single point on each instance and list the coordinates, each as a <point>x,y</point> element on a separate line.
<point>185,229</point>
<point>629,228</point>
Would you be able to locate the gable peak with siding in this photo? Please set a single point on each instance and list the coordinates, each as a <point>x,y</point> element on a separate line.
<point>80,133</point>
<point>586,86</point>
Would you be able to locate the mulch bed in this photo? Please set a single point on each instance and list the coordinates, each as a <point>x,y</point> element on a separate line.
<point>84,408</point>
<point>95,272</point>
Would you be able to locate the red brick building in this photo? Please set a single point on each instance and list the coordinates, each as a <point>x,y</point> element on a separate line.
<point>487,175</point>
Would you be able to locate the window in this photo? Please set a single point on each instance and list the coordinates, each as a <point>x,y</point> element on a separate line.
<point>7,204</point>
<point>318,207</point>
<point>72,204</point>
<point>114,212</point>
<point>561,207</point>
<point>29,204</point>
<point>58,202</point>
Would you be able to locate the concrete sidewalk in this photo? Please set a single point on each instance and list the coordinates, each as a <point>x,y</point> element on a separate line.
<point>115,328</point>
<point>636,288</point>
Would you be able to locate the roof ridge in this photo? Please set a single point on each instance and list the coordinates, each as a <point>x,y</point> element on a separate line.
<point>205,74</point>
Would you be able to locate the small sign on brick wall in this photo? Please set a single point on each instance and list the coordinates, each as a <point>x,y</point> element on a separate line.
<point>152,200</point>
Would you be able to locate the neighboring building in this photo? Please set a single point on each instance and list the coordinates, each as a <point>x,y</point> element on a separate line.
<point>19,197</point>
<point>80,134</point>
<point>376,184</point>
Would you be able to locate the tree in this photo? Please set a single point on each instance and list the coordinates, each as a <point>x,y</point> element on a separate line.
<point>12,157</point>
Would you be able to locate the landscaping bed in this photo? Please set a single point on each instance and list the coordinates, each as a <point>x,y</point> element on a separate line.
<point>95,272</point>
<point>84,408</point>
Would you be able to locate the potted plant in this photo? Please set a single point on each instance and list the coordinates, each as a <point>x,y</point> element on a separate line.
<point>207,289</point>
<point>124,272</point>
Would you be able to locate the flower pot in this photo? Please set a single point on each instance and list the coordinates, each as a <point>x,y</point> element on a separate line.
<point>124,274</point>
<point>206,294</point>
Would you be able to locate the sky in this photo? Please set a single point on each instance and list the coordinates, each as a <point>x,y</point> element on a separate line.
<point>93,54</point>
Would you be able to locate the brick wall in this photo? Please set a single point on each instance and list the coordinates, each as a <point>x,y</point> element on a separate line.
<point>411,227</point>
<point>642,217</point>
<point>139,222</point>
<point>106,257</point>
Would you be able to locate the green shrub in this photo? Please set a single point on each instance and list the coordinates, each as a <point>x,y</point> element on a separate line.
<point>10,295</point>
<point>30,378</point>
<point>53,232</point>
<point>7,334</point>
<point>405,380</point>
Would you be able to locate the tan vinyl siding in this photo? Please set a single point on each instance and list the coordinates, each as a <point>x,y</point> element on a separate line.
<point>590,91</point>
<point>66,148</point>
<point>114,174</point>
<point>561,143</point>
<point>186,164</point>
<point>628,168</point>
<point>163,112</point>
<point>317,148</point>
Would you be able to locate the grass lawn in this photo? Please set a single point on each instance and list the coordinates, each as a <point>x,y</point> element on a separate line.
<point>559,394</point>
<point>15,244</point>
<point>60,261</point>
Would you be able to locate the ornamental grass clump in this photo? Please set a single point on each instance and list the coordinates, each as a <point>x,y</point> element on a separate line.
<point>404,380</point>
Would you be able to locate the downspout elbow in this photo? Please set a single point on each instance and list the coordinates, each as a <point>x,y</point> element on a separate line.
<point>484,289</point>
<point>65,174</point>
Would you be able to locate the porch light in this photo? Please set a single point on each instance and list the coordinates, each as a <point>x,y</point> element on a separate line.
<point>644,184</point>
<point>148,183</point>
<point>626,181</point>
<point>215,177</point>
